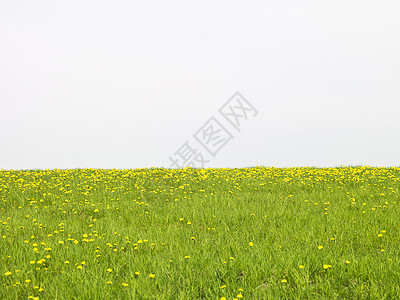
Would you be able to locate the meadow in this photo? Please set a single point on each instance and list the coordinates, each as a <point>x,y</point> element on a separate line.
<point>251,233</point>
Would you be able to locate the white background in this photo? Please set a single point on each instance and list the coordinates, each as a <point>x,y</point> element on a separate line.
<point>123,84</point>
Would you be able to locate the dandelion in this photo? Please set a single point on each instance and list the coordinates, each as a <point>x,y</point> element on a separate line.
<point>152,275</point>
<point>301,266</point>
<point>109,270</point>
<point>224,286</point>
<point>109,282</point>
<point>79,267</point>
<point>320,247</point>
<point>137,273</point>
<point>327,267</point>
<point>8,273</point>
<point>125,284</point>
<point>283,280</point>
<point>347,262</point>
<point>251,244</point>
<point>239,296</point>
<point>380,235</point>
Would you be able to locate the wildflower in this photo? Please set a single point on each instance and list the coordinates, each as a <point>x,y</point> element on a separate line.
<point>283,280</point>
<point>320,247</point>
<point>327,266</point>
<point>224,286</point>
<point>251,244</point>
<point>380,235</point>
<point>347,262</point>
<point>125,284</point>
<point>239,296</point>
<point>8,273</point>
<point>301,266</point>
<point>109,282</point>
<point>137,273</point>
<point>109,270</point>
<point>152,275</point>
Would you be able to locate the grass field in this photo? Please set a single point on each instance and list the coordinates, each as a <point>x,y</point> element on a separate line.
<point>252,233</point>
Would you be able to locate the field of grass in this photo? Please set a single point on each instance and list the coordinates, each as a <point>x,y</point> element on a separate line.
<point>252,233</point>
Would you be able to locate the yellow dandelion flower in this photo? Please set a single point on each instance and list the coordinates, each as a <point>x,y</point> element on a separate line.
<point>8,273</point>
<point>327,266</point>
<point>283,280</point>
<point>251,244</point>
<point>152,275</point>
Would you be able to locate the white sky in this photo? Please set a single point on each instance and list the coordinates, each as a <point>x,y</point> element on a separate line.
<point>123,84</point>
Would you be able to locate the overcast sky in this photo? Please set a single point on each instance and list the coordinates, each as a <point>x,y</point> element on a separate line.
<point>134,84</point>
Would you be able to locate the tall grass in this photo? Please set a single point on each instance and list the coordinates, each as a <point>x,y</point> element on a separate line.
<point>256,233</point>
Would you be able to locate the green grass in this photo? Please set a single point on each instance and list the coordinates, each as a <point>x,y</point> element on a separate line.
<point>192,229</point>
